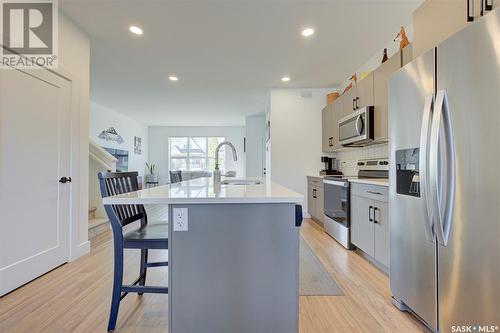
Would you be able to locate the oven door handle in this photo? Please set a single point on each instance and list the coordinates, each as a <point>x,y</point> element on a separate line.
<point>334,182</point>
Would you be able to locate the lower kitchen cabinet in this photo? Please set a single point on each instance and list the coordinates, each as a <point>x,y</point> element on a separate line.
<point>362,228</point>
<point>370,221</point>
<point>315,204</point>
<point>381,233</point>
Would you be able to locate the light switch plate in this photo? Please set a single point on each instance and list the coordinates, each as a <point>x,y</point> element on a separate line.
<point>180,219</point>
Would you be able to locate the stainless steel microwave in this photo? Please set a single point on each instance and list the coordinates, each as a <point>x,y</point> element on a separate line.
<point>356,129</point>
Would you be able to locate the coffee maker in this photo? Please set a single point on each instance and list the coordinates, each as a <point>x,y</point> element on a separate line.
<point>330,166</point>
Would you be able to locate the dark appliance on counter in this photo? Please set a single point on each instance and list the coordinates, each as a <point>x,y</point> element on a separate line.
<point>330,166</point>
<point>336,197</point>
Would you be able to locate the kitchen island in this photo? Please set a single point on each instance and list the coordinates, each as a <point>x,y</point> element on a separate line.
<point>233,254</point>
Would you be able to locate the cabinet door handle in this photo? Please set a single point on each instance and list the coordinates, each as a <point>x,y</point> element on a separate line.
<point>375,215</point>
<point>314,194</point>
<point>470,18</point>
<point>353,104</point>
<point>357,106</point>
<point>373,192</point>
<point>65,180</point>
<point>370,214</point>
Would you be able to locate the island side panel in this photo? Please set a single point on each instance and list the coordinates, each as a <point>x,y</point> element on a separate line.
<point>236,269</point>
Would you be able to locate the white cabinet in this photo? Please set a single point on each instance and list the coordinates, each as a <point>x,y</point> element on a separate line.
<point>315,204</point>
<point>370,221</point>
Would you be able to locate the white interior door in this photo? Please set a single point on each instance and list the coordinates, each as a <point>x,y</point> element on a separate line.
<point>34,155</point>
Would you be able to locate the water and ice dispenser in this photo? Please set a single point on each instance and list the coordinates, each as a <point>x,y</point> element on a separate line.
<point>407,172</point>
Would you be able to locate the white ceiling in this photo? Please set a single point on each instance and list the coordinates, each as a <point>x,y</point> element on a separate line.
<point>227,54</point>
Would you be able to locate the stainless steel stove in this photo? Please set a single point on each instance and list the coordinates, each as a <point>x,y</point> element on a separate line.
<point>337,198</point>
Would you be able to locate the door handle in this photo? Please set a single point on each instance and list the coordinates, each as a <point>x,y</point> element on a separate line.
<point>375,215</point>
<point>357,106</point>
<point>470,18</point>
<point>314,194</point>
<point>373,192</point>
<point>370,214</point>
<point>65,180</point>
<point>424,152</point>
<point>442,213</point>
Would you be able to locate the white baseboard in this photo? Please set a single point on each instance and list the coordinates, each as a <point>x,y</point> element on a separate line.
<point>80,250</point>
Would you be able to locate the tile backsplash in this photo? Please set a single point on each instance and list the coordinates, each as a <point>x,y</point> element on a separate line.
<point>347,160</point>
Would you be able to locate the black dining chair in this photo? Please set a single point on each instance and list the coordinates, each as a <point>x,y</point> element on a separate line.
<point>175,176</point>
<point>144,237</point>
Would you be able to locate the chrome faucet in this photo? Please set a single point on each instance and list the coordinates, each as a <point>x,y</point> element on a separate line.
<point>217,174</point>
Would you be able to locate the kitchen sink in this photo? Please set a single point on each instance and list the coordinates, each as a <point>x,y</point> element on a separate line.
<point>241,182</point>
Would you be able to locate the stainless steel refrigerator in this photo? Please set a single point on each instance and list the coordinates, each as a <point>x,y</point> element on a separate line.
<point>444,197</point>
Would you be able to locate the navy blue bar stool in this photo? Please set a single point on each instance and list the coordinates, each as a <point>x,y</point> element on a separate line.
<point>145,237</point>
<point>175,176</point>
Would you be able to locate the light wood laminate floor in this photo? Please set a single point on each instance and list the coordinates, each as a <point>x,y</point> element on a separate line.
<point>75,297</point>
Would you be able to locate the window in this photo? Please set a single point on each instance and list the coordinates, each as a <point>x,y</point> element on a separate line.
<point>195,153</point>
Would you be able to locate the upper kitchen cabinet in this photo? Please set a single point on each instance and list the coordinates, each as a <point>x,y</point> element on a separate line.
<point>364,92</point>
<point>381,94</point>
<point>330,125</point>
<point>436,20</point>
<point>327,128</point>
<point>360,95</point>
<point>336,115</point>
<point>348,102</point>
<point>407,54</point>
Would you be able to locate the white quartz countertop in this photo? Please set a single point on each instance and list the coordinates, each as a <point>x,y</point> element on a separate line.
<point>203,191</point>
<point>354,179</point>
<point>371,181</point>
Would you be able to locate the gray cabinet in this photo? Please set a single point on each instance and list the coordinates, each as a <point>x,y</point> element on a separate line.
<point>362,230</point>
<point>370,221</point>
<point>325,135</point>
<point>328,128</point>
<point>381,232</point>
<point>360,95</point>
<point>371,90</point>
<point>315,204</point>
<point>436,20</point>
<point>364,92</point>
<point>381,95</point>
<point>348,102</point>
<point>336,112</point>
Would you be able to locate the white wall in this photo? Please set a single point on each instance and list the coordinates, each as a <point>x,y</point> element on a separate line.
<point>296,136</point>
<point>374,60</point>
<point>74,59</point>
<point>158,145</point>
<point>255,129</point>
<point>101,118</point>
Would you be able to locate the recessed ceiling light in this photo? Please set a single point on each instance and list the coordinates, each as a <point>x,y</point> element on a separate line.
<point>285,78</point>
<point>308,32</point>
<point>135,30</point>
<point>173,78</point>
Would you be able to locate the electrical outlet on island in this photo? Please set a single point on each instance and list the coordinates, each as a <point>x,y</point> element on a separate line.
<point>180,219</point>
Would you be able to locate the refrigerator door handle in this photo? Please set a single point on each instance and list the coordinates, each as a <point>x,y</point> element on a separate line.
<point>423,174</point>
<point>442,214</point>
